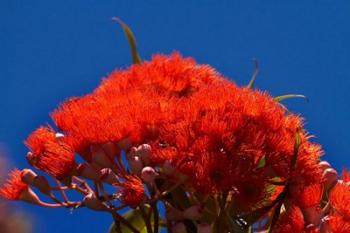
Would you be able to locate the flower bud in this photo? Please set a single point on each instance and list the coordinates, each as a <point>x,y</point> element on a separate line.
<point>193,213</point>
<point>59,135</point>
<point>329,178</point>
<point>87,171</point>
<point>204,228</point>
<point>131,153</point>
<point>93,203</point>
<point>144,151</point>
<point>312,215</point>
<point>148,174</point>
<point>28,176</point>
<point>108,176</point>
<point>324,165</point>
<point>135,165</point>
<point>179,228</point>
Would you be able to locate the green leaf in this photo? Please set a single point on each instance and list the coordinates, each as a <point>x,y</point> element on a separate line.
<point>275,217</point>
<point>134,217</point>
<point>136,59</point>
<point>296,147</point>
<point>255,74</point>
<point>290,96</point>
<point>262,162</point>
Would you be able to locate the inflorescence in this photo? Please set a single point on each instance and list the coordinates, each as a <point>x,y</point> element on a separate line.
<point>217,156</point>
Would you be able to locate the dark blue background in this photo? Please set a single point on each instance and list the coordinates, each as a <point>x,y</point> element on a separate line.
<point>51,50</point>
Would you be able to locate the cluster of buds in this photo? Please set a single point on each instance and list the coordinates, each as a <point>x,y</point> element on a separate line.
<point>106,166</point>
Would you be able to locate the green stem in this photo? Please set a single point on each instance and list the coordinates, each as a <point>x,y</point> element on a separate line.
<point>117,227</point>
<point>156,217</point>
<point>146,218</point>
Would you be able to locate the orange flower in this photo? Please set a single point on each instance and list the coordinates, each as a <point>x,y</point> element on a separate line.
<point>195,120</point>
<point>346,176</point>
<point>132,191</point>
<point>291,221</point>
<point>50,153</point>
<point>14,187</point>
<point>335,223</point>
<point>308,196</point>
<point>340,199</point>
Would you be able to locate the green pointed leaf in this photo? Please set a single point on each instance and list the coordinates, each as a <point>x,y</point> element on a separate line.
<point>290,96</point>
<point>296,147</point>
<point>136,59</point>
<point>275,217</point>
<point>134,217</point>
<point>255,74</point>
<point>262,162</point>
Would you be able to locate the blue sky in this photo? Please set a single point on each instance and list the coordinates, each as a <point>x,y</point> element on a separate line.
<point>51,50</point>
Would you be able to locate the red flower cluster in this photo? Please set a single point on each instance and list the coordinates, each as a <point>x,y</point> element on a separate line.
<point>188,124</point>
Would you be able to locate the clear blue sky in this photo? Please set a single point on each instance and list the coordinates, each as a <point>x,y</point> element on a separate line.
<point>51,50</point>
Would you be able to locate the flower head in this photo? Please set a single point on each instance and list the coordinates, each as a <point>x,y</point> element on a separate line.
<point>340,199</point>
<point>49,153</point>
<point>132,191</point>
<point>335,223</point>
<point>194,119</point>
<point>14,187</point>
<point>291,221</point>
<point>309,196</point>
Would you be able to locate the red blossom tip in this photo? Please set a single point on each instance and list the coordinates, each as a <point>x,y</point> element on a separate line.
<point>13,187</point>
<point>49,153</point>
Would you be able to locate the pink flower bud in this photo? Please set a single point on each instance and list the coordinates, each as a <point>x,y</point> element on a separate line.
<point>59,135</point>
<point>194,212</point>
<point>148,174</point>
<point>31,178</point>
<point>93,203</point>
<point>324,165</point>
<point>204,228</point>
<point>179,228</point>
<point>135,165</point>
<point>108,176</point>
<point>144,151</point>
<point>312,215</point>
<point>87,171</point>
<point>329,178</point>
<point>131,153</point>
<point>28,176</point>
